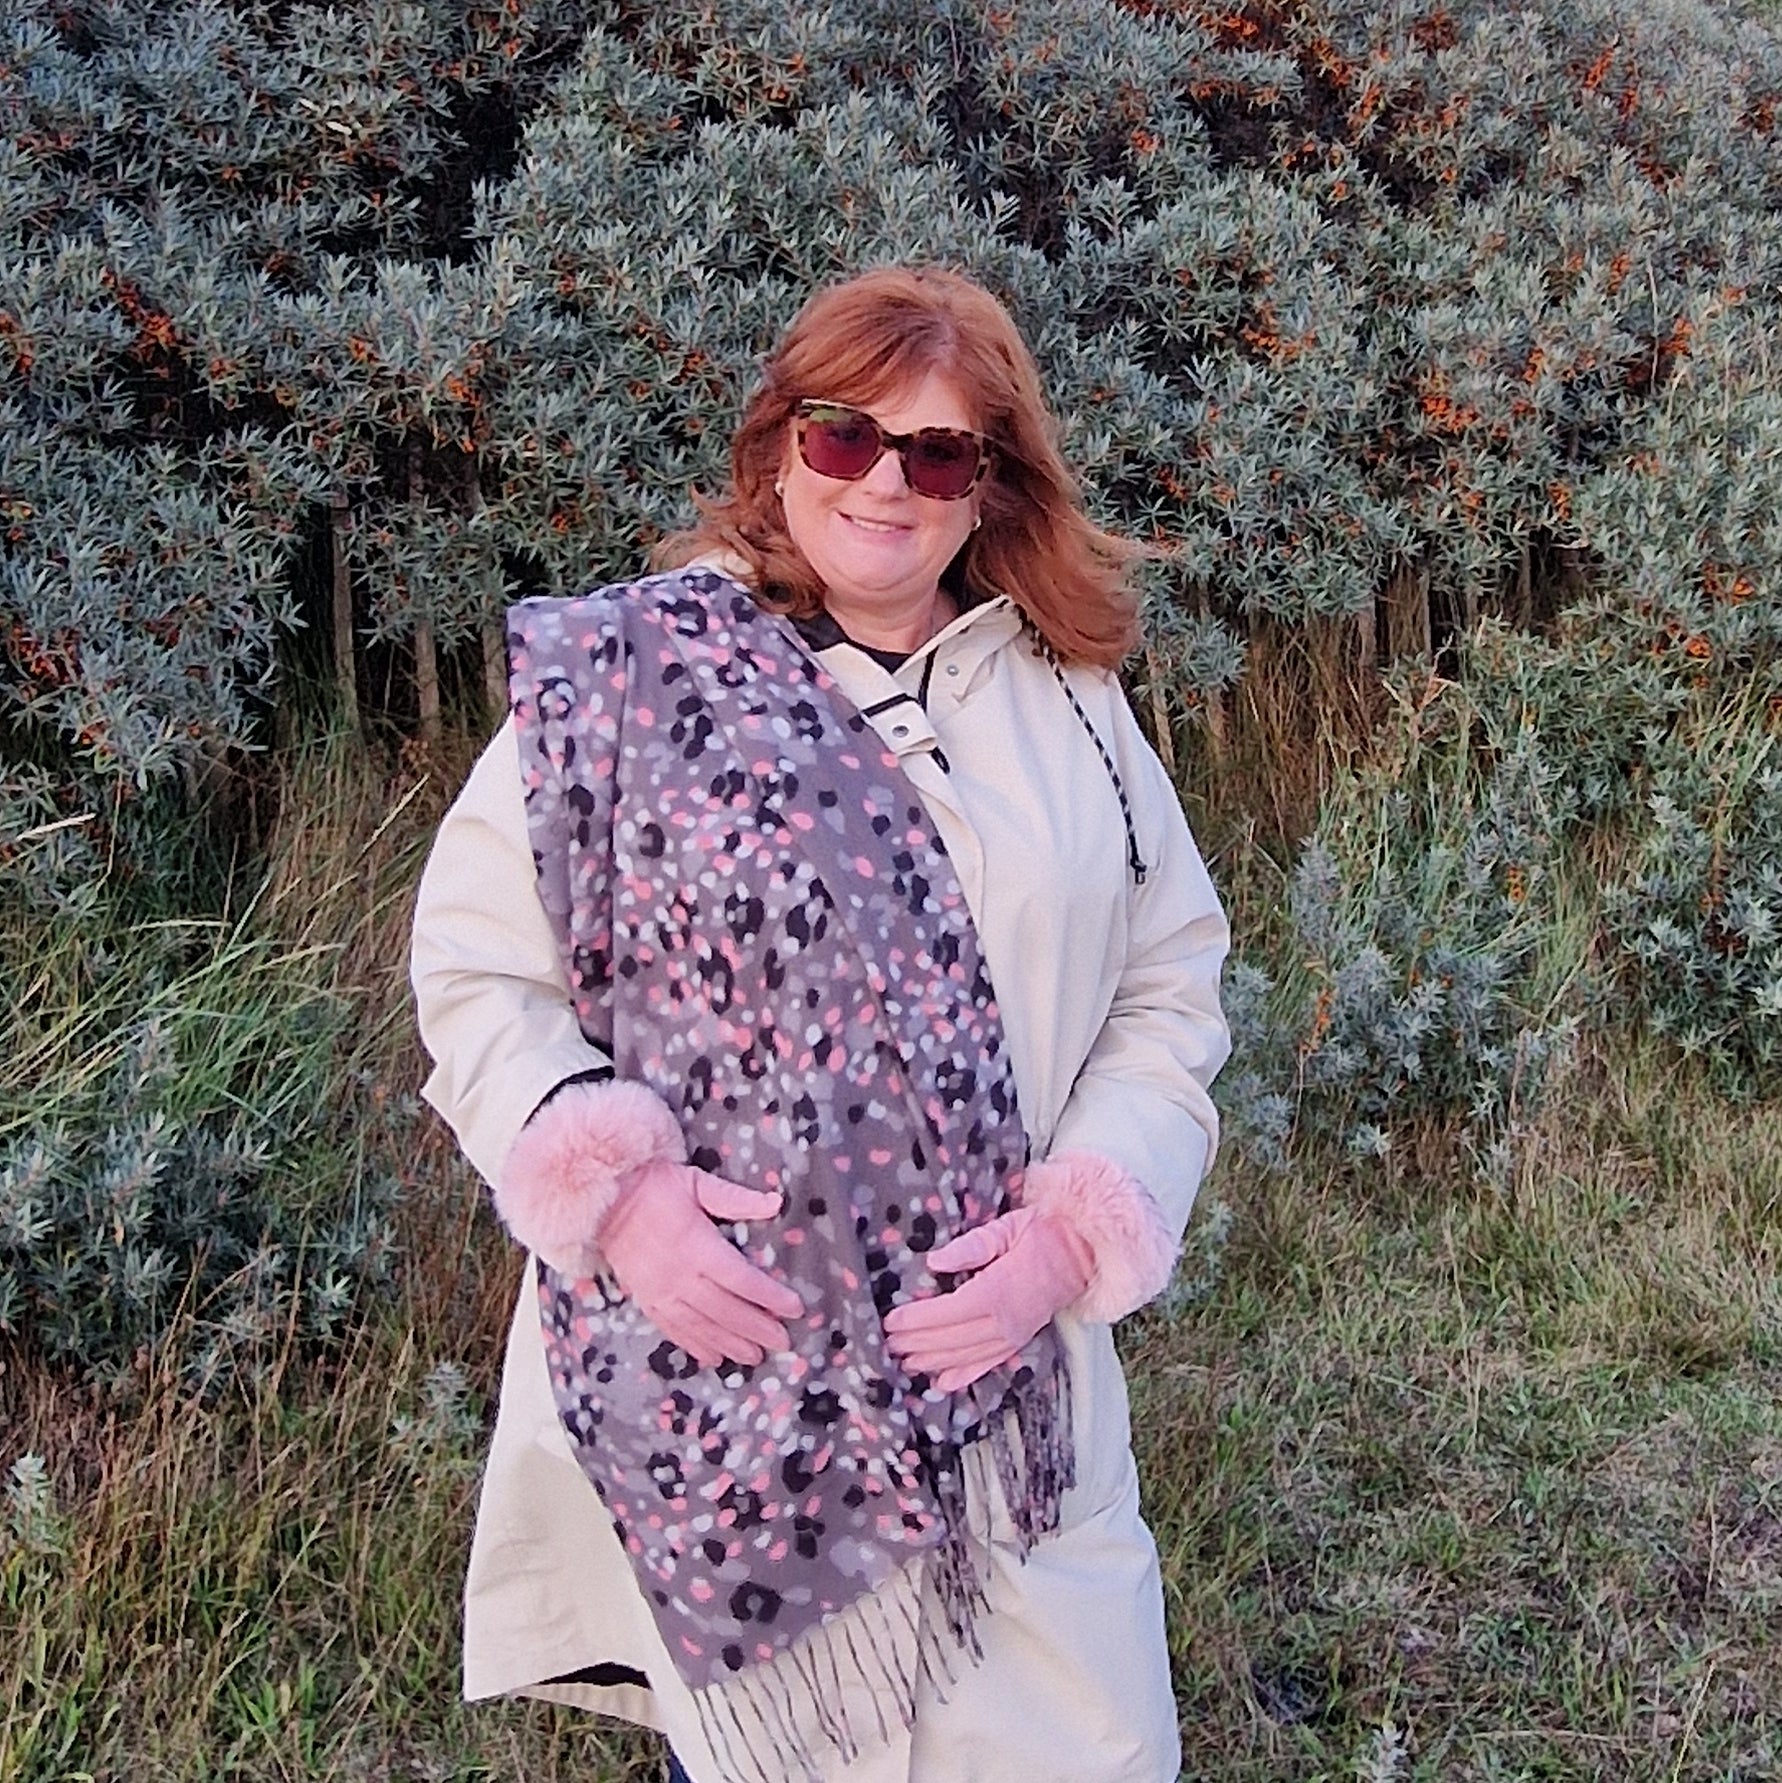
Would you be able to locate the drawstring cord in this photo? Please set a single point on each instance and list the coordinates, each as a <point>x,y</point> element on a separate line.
<point>822,631</point>
<point>1133,858</point>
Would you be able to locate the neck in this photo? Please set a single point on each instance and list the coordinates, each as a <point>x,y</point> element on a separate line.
<point>905,625</point>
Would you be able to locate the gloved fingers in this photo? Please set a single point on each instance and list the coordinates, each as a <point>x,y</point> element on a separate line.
<point>971,1363</point>
<point>708,1331</point>
<point>964,1365</point>
<point>946,1323</point>
<point>978,1297</point>
<point>981,1245</point>
<point>953,1379</point>
<point>722,1263</point>
<point>726,1200</point>
<point>922,1352</point>
<point>742,1321</point>
<point>694,1333</point>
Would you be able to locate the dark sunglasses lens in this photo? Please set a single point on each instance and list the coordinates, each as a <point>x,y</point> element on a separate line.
<point>840,443</point>
<point>942,463</point>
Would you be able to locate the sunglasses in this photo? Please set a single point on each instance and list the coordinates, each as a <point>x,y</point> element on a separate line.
<point>944,463</point>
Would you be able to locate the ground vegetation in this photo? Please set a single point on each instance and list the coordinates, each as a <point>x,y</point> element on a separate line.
<point>1428,344</point>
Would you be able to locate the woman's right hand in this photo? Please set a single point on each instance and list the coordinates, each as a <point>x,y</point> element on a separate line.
<point>685,1276</point>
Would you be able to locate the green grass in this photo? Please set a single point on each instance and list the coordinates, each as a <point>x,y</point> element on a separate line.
<point>1503,1477</point>
<point>265,1590</point>
<point>1500,1474</point>
<point>264,1583</point>
<point>1448,1482</point>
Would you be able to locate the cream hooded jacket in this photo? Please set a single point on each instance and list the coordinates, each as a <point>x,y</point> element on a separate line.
<point>1107,978</point>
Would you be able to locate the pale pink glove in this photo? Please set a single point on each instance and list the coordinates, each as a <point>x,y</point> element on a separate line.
<point>685,1276</point>
<point>1032,1265</point>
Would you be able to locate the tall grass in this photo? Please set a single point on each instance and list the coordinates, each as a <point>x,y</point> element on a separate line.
<point>188,1111</point>
<point>262,1580</point>
<point>1452,1477</point>
<point>1491,1483</point>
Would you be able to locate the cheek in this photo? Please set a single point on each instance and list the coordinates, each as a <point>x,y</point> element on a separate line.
<point>802,506</point>
<point>959,530</point>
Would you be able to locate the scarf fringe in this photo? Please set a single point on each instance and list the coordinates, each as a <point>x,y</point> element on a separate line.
<point>826,1696</point>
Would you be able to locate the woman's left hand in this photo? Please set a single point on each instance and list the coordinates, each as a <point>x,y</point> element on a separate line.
<point>1031,1265</point>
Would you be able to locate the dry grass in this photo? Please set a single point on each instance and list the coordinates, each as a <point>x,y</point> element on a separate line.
<point>267,1586</point>
<point>1447,1484</point>
<point>266,1589</point>
<point>1501,1474</point>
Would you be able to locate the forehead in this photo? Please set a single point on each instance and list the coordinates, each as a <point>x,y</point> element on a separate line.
<point>933,400</point>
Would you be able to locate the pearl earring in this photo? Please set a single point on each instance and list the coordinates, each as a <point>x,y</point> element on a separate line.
<point>779,486</point>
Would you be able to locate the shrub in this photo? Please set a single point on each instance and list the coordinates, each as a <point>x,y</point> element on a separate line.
<point>1662,712</point>
<point>164,1169</point>
<point>1377,320</point>
<point>194,203</point>
<point>1418,308</point>
<point>194,1131</point>
<point>1425,974</point>
<point>1697,913</point>
<point>1582,825</point>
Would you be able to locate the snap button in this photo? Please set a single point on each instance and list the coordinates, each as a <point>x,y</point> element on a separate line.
<point>900,730</point>
<point>952,668</point>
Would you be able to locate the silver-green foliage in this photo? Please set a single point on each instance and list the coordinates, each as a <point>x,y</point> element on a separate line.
<point>1663,713</point>
<point>1420,974</point>
<point>1331,299</point>
<point>1324,293</point>
<point>1583,825</point>
<point>1697,919</point>
<point>180,1148</point>
<point>202,209</point>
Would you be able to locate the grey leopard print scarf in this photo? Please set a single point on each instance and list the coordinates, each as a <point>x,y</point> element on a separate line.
<point>759,923</point>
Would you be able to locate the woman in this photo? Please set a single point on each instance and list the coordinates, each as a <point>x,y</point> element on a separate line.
<point>813,1446</point>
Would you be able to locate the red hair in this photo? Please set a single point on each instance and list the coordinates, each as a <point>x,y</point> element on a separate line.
<point>877,335</point>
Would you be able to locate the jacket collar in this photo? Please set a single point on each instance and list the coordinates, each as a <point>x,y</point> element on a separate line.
<point>821,632</point>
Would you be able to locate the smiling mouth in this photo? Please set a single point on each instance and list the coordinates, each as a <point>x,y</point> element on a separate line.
<point>879,526</point>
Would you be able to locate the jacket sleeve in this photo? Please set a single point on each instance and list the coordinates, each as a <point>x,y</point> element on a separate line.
<point>1142,1095</point>
<point>490,995</point>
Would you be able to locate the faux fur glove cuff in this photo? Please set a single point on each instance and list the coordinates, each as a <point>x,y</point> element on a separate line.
<point>1116,1217</point>
<point>563,1171</point>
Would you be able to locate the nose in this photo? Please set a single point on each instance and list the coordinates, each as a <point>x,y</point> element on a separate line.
<point>886,477</point>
